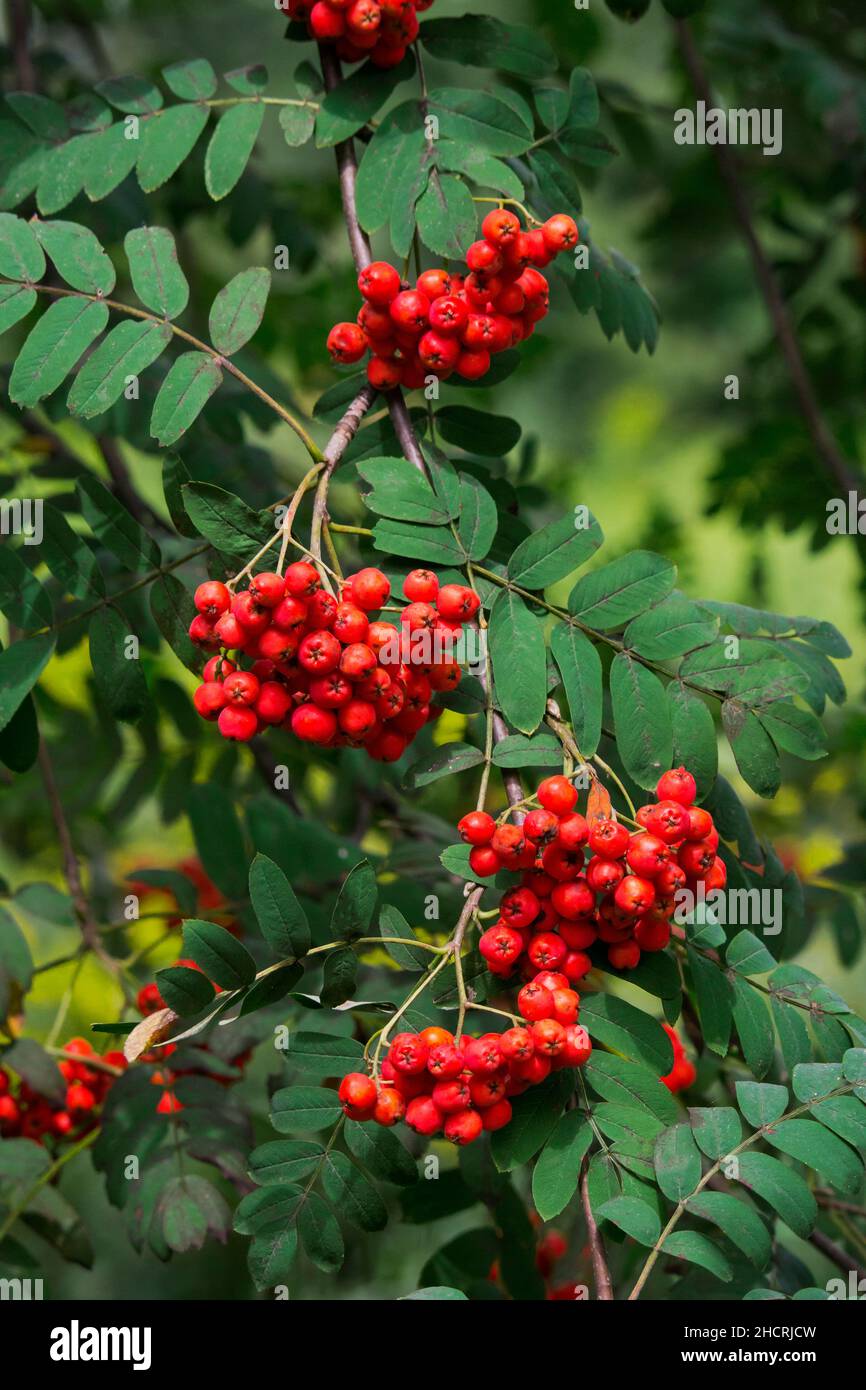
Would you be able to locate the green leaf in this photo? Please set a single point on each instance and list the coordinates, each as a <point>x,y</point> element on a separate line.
<point>484,42</point>
<point>694,736</point>
<point>382,1153</point>
<point>358,97</point>
<point>238,309</point>
<point>250,81</point>
<point>185,990</point>
<point>77,256</point>
<point>742,1226</point>
<point>393,923</point>
<point>119,676</point>
<point>21,665</point>
<point>637,1218</point>
<point>32,1063</point>
<point>111,156</point>
<point>446,761</point>
<point>481,119</point>
<point>115,528</point>
<point>784,1190</point>
<point>692,1246</point>
<point>556,182</point>
<point>717,1129</point>
<point>516,750</point>
<point>482,168</point>
<point>221,956</point>
<point>356,904</point>
<point>619,1025</point>
<point>715,1001</point>
<point>128,350</point>
<point>677,1162</point>
<point>617,1079</point>
<point>846,1117</point>
<point>580,667</point>
<point>752,1022</point>
<point>749,956</point>
<point>433,544</point>
<point>223,519</point>
<point>339,977</point>
<point>447,219</point>
<point>752,671</point>
<point>810,1143</point>
<point>535,1116</point>
<point>641,719</point>
<point>186,390</point>
<point>16,303</point>
<point>477,431</point>
<point>670,630</point>
<point>354,1196</point>
<point>795,730</point>
<point>230,147</point>
<point>521,687</point>
<point>157,277</point>
<point>284,1161</point>
<point>478,519</point>
<point>271,1257</point>
<point>608,597</point>
<point>136,95</point>
<point>814,1080</point>
<point>321,1055</point>
<point>304,1108</point>
<point>22,597</point>
<point>556,1174</point>
<point>583,107</point>
<point>397,145</point>
<point>271,988</point>
<point>218,838</point>
<point>54,346</point>
<point>761,1104</point>
<point>168,140</point>
<point>587,146</point>
<point>755,752</point>
<point>191,80</point>
<point>268,1209</point>
<point>173,610</point>
<point>280,916</point>
<point>401,492</point>
<point>320,1234</point>
<point>19,747</point>
<point>21,255</point>
<point>555,551</point>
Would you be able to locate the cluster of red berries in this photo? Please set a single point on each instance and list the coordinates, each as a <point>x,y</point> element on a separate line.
<point>26,1114</point>
<point>150,1001</point>
<point>320,666</point>
<point>626,896</point>
<point>461,1086</point>
<point>380,30</point>
<point>682,1074</point>
<point>454,323</point>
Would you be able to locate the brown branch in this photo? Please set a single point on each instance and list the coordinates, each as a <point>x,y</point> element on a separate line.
<point>834,1252</point>
<point>828,451</point>
<point>122,485</point>
<point>71,872</point>
<point>603,1285</point>
<point>18,19</point>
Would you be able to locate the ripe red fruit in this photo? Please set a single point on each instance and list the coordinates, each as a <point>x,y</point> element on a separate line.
<point>541,827</point>
<point>566,1005</point>
<point>445,1062</point>
<point>677,785</point>
<point>558,795</point>
<point>389,1108</point>
<point>325,21</point>
<point>364,18</point>
<point>635,895</point>
<point>603,875</point>
<point>358,661</point>
<point>379,283</point>
<point>549,1038</point>
<point>438,352</point>
<point>212,599</point>
<point>370,589</point>
<point>576,965</point>
<point>358,1091</point>
<point>547,951</point>
<point>509,842</point>
<point>484,861</point>
<point>434,284</point>
<point>319,652</point>
<point>410,311</point>
<point>449,315</point>
<point>652,934</point>
<point>573,900</point>
<point>209,699</point>
<point>483,1055</point>
<point>237,723</point>
<point>274,703</point>
<point>385,373</point>
<point>358,719</point>
<point>452,1096</point>
<point>609,838</point>
<point>534,1002</point>
<point>578,1047</point>
<point>669,821</point>
<point>560,233</point>
<point>408,1054</point>
<point>457,602</point>
<point>313,725</point>
<point>519,907</point>
<point>346,343</point>
<point>647,854</point>
<point>500,228</point>
<point>424,1116</point>
<point>487,1090</point>
<point>473,365</point>
<point>696,857</point>
<point>79,1098</point>
<point>302,579</point>
<point>203,633</point>
<point>516,1044</point>
<point>700,823</point>
<point>421,586</point>
<point>463,1128</point>
<point>496,1116</point>
<point>500,945</point>
<point>624,955</point>
<point>350,624</point>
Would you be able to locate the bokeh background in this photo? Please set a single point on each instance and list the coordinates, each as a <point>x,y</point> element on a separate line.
<point>731,490</point>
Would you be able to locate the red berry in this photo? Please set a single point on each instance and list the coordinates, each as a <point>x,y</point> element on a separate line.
<point>700,823</point>
<point>560,233</point>
<point>209,699</point>
<point>500,945</point>
<point>313,725</point>
<point>445,1062</point>
<point>535,1003</point>
<point>517,1044</point>
<point>274,703</point>
<point>424,1116</point>
<point>500,227</point>
<point>408,1054</point>
<point>473,365</point>
<point>358,1091</point>
<point>421,586</point>
<point>389,1108</point>
<point>452,1096</point>
<point>624,955</point>
<point>267,589</point>
<point>578,1047</point>
<point>410,311</point>
<point>668,820</point>
<point>379,283</point>
<point>385,373</point>
<point>238,723</point>
<point>547,951</point>
<point>320,652</point>
<point>647,854</point>
<point>496,1116</point>
<point>609,838</point>
<point>370,589</point>
<point>346,343</point>
<point>541,827</point>
<point>463,1128</point>
<point>212,599</point>
<point>677,785</point>
<point>635,895</point>
<point>434,284</point>
<point>558,795</point>
<point>484,861</point>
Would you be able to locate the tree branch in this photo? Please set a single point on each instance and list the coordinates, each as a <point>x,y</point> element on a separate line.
<point>603,1285</point>
<point>828,451</point>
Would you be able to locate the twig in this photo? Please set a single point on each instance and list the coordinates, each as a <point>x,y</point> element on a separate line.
<point>603,1285</point>
<point>822,437</point>
<point>18,19</point>
<point>336,447</point>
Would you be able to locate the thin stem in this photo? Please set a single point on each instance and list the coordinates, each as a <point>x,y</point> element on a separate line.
<point>48,1176</point>
<point>603,1284</point>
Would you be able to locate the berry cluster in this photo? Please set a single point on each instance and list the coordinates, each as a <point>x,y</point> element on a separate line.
<point>321,666</point>
<point>26,1114</point>
<point>682,1073</point>
<point>150,1001</point>
<point>454,323</point>
<point>380,30</point>
<point>461,1086</point>
<point>624,895</point>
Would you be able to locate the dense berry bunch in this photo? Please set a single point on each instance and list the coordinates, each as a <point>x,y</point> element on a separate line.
<point>323,667</point>
<point>380,30</point>
<point>461,1087</point>
<point>584,882</point>
<point>453,323</point>
<point>26,1114</point>
<point>682,1074</point>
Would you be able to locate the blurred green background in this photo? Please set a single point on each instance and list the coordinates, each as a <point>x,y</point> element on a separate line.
<point>729,489</point>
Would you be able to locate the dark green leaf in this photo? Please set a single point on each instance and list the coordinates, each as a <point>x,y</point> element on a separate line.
<point>556,1174</point>
<point>280,916</point>
<point>60,338</point>
<point>555,551</point>
<point>221,956</point>
<point>238,309</point>
<point>230,147</point>
<point>521,687</point>
<point>641,720</point>
<point>157,277</point>
<point>128,350</point>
